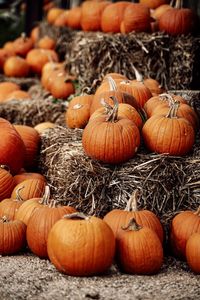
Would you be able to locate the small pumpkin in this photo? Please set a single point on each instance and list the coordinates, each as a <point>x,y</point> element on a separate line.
<point>74,17</point>
<point>12,236</point>
<point>193,252</point>
<point>34,34</point>
<point>4,55</point>
<point>153,4</point>
<point>62,19</point>
<point>18,95</point>
<point>139,250</point>
<point>6,88</point>
<point>157,13</point>
<point>46,42</point>
<point>76,253</point>
<point>9,206</point>
<point>53,14</point>
<point>32,188</point>
<point>16,66</point>
<point>22,45</point>
<point>183,225</point>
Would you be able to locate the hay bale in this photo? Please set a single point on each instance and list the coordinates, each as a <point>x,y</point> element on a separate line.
<point>167,184</point>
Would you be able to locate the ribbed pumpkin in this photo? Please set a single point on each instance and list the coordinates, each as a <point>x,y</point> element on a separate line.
<point>9,207</point>
<point>33,188</point>
<point>111,139</point>
<point>117,218</point>
<point>18,178</point>
<point>193,252</point>
<point>112,91</point>
<point>136,18</point>
<point>153,3</point>
<point>78,111</point>
<point>12,148</point>
<point>81,246</point>
<point>183,225</point>
<point>74,17</point>
<point>139,250</point>
<point>31,139</point>
<point>91,12</point>
<point>12,236</point>
<point>112,16</point>
<point>6,182</point>
<point>178,20</point>
<point>40,223</point>
<point>168,134</point>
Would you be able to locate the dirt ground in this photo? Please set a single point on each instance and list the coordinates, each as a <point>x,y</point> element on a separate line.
<point>25,276</point>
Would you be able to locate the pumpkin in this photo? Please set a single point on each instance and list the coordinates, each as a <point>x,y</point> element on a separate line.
<point>22,45</point>
<point>154,86</point>
<point>153,3</point>
<point>9,207</point>
<point>33,188</point>
<point>157,13</point>
<point>178,20</point>
<point>28,207</point>
<point>43,126</point>
<point>11,147</point>
<point>193,252</point>
<point>16,66</point>
<point>113,91</point>
<point>74,17</point>
<point>162,100</point>
<point>12,236</point>
<point>18,95</point>
<point>78,112</point>
<point>8,46</point>
<point>49,71</point>
<point>4,55</point>
<point>37,58</point>
<point>40,223</point>
<point>31,140</point>
<point>53,14</point>
<point>6,182</point>
<point>61,87</point>
<point>62,19</point>
<point>6,88</point>
<point>117,218</point>
<point>114,76</point>
<point>34,34</point>
<point>139,250</point>
<point>112,16</point>
<point>136,18</point>
<point>91,12</point>
<point>78,245</point>
<point>46,42</point>
<point>183,225</point>
<point>124,110</point>
<point>111,139</point>
<point>169,133</point>
<point>18,178</point>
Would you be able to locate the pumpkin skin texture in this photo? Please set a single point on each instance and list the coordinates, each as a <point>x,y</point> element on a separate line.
<point>81,247</point>
<point>168,134</point>
<point>6,88</point>
<point>74,17</point>
<point>136,18</point>
<point>33,188</point>
<point>139,250</point>
<point>111,142</point>
<point>18,178</point>
<point>183,226</point>
<point>9,207</point>
<point>12,236</point>
<point>117,218</point>
<point>153,3</point>
<point>177,21</point>
<point>16,66</point>
<point>6,183</point>
<point>112,16</point>
<point>193,252</point>
<point>11,146</point>
<point>31,140</point>
<point>157,13</point>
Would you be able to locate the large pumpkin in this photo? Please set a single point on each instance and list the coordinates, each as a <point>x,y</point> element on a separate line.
<point>111,139</point>
<point>117,218</point>
<point>168,134</point>
<point>81,246</point>
<point>12,148</point>
<point>139,250</point>
<point>182,227</point>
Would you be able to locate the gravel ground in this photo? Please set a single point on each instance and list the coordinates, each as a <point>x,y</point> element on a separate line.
<point>26,276</point>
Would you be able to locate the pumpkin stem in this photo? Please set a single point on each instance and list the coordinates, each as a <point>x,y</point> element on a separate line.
<point>18,197</point>
<point>46,196</point>
<point>167,97</point>
<point>106,106</point>
<point>52,203</point>
<point>138,75</point>
<point>132,225</point>
<point>112,116</point>
<point>112,84</point>
<point>4,219</point>
<point>179,4</point>
<point>132,202</point>
<point>172,113</point>
<point>198,211</point>
<point>76,215</point>
<point>5,167</point>
<point>172,3</point>
<point>23,36</point>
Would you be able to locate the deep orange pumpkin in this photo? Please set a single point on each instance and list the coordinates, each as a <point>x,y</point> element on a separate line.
<point>74,17</point>
<point>16,66</point>
<point>193,252</point>
<point>153,3</point>
<point>6,182</point>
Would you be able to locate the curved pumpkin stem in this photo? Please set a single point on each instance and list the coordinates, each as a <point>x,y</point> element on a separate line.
<point>112,116</point>
<point>167,97</point>
<point>132,202</point>
<point>172,113</point>
<point>46,196</point>
<point>179,4</point>
<point>132,225</point>
<point>5,167</point>
<point>138,75</point>
<point>112,84</point>
<point>76,215</point>
<point>18,197</point>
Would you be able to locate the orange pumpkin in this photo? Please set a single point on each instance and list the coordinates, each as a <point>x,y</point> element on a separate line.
<point>95,251</point>
<point>16,66</point>
<point>4,55</point>
<point>9,206</point>
<point>154,86</point>
<point>61,87</point>
<point>46,43</point>
<point>62,19</point>
<point>153,3</point>
<point>6,182</point>
<point>22,45</point>
<point>17,95</point>
<point>6,88</point>
<point>53,14</point>
<point>32,188</point>
<point>34,35</point>
<point>18,178</point>
<point>74,17</point>
<point>193,252</point>
<point>157,13</point>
